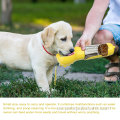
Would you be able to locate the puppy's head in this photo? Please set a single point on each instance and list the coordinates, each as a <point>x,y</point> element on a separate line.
<point>57,37</point>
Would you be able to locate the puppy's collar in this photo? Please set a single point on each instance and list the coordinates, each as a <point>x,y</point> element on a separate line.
<point>38,35</point>
<point>47,51</point>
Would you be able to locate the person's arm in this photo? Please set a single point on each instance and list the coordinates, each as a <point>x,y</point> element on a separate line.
<point>93,22</point>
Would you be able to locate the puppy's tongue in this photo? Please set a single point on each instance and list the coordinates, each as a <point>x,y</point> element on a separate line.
<point>71,54</point>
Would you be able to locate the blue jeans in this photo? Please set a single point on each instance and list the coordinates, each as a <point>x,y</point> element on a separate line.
<point>115,29</point>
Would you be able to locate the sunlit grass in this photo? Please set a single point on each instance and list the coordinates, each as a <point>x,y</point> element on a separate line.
<point>46,13</point>
<point>43,22</point>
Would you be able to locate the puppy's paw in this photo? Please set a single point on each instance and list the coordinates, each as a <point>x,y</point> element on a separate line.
<point>53,90</point>
<point>45,90</point>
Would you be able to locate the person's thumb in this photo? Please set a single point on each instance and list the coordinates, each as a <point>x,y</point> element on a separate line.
<point>77,44</point>
<point>88,43</point>
<point>82,45</point>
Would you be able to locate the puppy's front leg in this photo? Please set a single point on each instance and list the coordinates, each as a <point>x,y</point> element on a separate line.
<point>49,74</point>
<point>41,78</point>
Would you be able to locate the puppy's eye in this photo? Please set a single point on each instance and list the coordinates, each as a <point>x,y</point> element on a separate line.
<point>64,39</point>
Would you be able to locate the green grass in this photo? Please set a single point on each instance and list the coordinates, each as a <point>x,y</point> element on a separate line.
<point>64,88</point>
<point>21,28</point>
<point>45,13</point>
<point>9,74</point>
<point>90,66</point>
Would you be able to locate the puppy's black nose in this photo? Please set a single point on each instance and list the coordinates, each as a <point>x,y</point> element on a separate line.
<point>71,50</point>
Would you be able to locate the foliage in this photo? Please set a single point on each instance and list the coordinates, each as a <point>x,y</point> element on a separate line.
<point>90,66</point>
<point>46,13</point>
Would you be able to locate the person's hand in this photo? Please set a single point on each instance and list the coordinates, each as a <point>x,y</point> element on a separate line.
<point>83,41</point>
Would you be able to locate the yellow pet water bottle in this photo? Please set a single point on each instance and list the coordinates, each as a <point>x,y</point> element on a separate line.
<point>91,52</point>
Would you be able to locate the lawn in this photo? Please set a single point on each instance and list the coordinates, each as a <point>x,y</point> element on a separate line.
<point>90,66</point>
<point>46,13</point>
<point>64,88</point>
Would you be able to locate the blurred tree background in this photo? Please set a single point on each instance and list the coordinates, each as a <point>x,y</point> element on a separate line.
<point>6,11</point>
<point>44,12</point>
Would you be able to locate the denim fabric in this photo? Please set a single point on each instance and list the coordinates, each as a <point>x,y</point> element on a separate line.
<point>115,29</point>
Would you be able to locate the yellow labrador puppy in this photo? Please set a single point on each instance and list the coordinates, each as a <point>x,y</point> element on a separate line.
<point>37,51</point>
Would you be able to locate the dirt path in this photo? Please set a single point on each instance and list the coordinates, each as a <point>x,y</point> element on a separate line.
<point>72,76</point>
<point>68,75</point>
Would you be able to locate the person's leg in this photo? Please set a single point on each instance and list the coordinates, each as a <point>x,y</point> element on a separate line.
<point>105,36</point>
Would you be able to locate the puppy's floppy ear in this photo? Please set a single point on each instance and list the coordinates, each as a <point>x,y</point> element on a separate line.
<point>48,35</point>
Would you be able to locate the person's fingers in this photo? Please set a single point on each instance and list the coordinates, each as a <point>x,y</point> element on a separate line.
<point>77,44</point>
<point>88,43</point>
<point>82,44</point>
